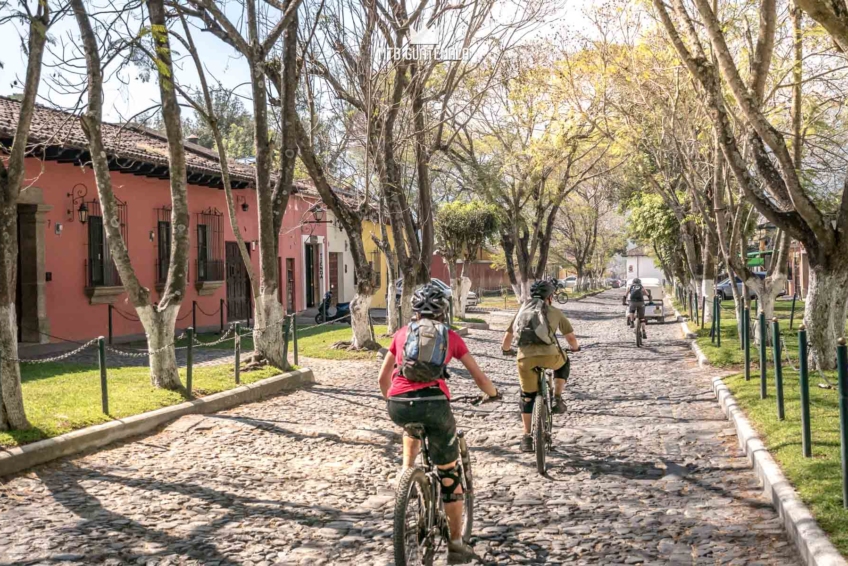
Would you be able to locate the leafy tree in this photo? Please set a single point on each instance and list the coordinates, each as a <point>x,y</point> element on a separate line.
<point>461,230</point>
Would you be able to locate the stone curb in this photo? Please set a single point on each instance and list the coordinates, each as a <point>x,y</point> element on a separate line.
<point>476,325</point>
<point>20,458</point>
<point>462,330</point>
<point>812,543</point>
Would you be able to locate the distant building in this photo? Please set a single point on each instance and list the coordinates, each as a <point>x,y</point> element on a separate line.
<point>640,264</point>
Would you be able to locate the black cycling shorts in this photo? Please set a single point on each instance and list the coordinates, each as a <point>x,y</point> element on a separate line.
<point>638,307</point>
<point>438,421</point>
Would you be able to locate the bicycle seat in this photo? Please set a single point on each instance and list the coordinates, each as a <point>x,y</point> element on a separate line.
<point>415,430</point>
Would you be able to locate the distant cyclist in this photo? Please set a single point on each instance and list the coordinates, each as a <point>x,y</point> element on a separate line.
<point>416,396</point>
<point>537,350</point>
<point>636,293</point>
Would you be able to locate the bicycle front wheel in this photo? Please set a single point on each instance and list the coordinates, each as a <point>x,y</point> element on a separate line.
<point>467,490</point>
<point>562,297</point>
<point>539,440</point>
<point>414,541</point>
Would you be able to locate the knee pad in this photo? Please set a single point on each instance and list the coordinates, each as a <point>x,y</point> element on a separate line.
<point>452,476</point>
<point>526,400</point>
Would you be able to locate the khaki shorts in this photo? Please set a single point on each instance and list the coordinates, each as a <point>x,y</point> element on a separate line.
<point>528,378</point>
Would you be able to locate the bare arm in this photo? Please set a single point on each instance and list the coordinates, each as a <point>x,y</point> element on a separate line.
<point>386,373</point>
<point>484,383</point>
<point>572,341</point>
<point>507,341</point>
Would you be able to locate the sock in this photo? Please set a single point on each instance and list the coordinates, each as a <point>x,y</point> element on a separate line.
<point>457,542</point>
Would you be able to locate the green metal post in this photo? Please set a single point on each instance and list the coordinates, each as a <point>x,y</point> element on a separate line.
<point>703,311</point>
<point>763,362</point>
<point>286,324</point>
<point>194,314</point>
<point>718,323</point>
<point>695,304</point>
<point>778,367</point>
<point>792,313</point>
<point>110,324</point>
<point>237,346</point>
<point>294,337</point>
<point>221,315</point>
<point>104,390</point>
<point>713,325</point>
<point>746,341</point>
<point>806,433</point>
<point>189,358</point>
<point>842,366</point>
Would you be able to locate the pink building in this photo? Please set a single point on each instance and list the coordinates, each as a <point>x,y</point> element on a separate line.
<point>66,280</point>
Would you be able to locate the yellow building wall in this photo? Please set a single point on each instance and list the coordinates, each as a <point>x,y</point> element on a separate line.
<point>374,253</point>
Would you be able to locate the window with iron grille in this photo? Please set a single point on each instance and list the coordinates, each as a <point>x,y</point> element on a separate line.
<point>210,245</point>
<point>100,270</point>
<point>163,243</point>
<point>375,268</point>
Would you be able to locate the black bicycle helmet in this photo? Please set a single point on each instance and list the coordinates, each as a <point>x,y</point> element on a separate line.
<point>542,289</point>
<point>429,299</point>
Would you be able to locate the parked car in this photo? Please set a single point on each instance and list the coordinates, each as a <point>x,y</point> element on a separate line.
<point>616,283</point>
<point>445,287</point>
<point>471,299</point>
<point>725,292</point>
<point>569,282</point>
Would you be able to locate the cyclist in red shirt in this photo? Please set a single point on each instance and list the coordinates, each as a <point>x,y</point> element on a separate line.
<point>429,404</point>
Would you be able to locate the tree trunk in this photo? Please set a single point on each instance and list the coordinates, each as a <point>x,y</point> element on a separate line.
<point>12,413</point>
<point>825,313</point>
<point>360,322</point>
<point>268,329</point>
<point>464,288</point>
<point>159,328</point>
<point>455,283</point>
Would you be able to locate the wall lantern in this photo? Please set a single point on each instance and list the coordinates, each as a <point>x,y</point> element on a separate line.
<point>82,211</point>
<point>318,213</point>
<point>77,195</point>
<point>58,229</point>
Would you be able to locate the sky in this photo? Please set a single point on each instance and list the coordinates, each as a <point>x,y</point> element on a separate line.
<point>127,94</point>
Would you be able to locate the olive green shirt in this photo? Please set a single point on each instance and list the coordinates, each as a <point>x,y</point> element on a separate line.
<point>556,321</point>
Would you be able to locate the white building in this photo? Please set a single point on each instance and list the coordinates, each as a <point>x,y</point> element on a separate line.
<point>640,264</point>
<point>339,262</point>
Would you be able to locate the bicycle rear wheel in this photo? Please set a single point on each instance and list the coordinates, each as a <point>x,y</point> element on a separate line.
<point>414,541</point>
<point>562,297</point>
<point>539,440</point>
<point>638,327</point>
<point>467,490</point>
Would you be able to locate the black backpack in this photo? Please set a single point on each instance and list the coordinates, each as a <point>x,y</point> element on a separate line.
<point>636,294</point>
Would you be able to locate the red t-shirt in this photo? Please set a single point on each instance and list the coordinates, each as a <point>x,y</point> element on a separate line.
<point>456,349</point>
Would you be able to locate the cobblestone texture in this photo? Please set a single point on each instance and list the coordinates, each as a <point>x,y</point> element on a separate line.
<point>646,471</point>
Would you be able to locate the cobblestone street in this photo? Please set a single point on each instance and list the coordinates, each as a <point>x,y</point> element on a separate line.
<point>646,470</point>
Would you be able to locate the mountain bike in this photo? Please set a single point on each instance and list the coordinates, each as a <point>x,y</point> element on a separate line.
<point>420,522</point>
<point>541,424</point>
<point>561,296</point>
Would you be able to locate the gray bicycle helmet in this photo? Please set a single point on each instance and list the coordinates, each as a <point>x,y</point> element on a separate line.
<point>637,281</point>
<point>541,289</point>
<point>429,299</point>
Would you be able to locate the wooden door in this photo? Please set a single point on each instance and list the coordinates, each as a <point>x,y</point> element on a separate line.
<point>309,270</point>
<point>335,281</point>
<point>290,284</point>
<point>238,285</point>
<point>18,291</point>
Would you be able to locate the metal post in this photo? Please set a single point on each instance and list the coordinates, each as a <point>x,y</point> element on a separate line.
<point>294,337</point>
<point>194,314</point>
<point>221,313</point>
<point>806,433</point>
<point>286,323</point>
<point>189,359</point>
<point>450,313</point>
<point>792,313</point>
<point>695,304</point>
<point>842,366</point>
<point>703,311</point>
<point>110,324</point>
<point>718,323</point>
<point>763,363</point>
<point>237,346</point>
<point>778,367</point>
<point>104,391</point>
<point>713,325</point>
<point>746,341</point>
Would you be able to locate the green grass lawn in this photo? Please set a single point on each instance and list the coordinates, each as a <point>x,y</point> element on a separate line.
<point>60,398</point>
<point>470,319</point>
<point>817,479</point>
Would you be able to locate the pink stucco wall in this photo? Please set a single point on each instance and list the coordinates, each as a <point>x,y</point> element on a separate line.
<point>68,308</point>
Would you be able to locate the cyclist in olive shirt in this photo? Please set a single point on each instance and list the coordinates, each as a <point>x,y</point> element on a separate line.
<point>548,356</point>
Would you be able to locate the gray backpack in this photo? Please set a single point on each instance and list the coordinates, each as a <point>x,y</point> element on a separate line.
<point>531,324</point>
<point>425,351</point>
